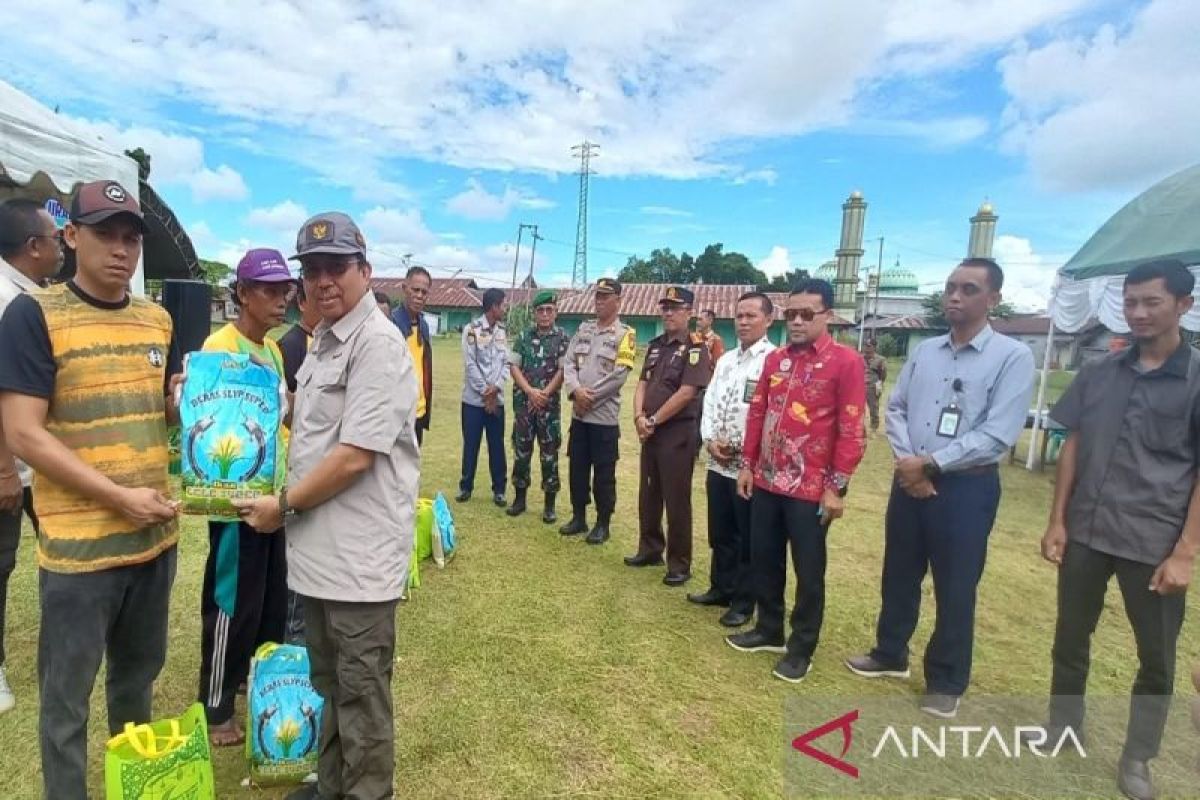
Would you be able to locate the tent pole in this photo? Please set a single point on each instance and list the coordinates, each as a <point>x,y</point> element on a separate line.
<point>1041,396</point>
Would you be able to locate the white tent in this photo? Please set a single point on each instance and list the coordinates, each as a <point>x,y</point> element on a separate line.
<point>1160,223</point>
<point>33,140</point>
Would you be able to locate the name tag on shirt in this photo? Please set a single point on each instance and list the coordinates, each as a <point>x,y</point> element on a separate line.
<point>748,390</point>
<point>949,420</point>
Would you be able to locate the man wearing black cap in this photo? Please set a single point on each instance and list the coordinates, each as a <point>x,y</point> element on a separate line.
<point>84,372</point>
<point>599,359</point>
<point>666,406</point>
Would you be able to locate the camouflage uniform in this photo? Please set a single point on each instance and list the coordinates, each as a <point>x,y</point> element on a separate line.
<point>539,356</point>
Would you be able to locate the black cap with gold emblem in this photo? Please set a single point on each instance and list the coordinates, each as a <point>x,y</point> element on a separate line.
<point>679,295</point>
<point>332,232</point>
<point>99,200</point>
<point>608,286</point>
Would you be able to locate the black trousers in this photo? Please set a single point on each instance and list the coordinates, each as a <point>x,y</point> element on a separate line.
<point>1156,621</point>
<point>729,538</point>
<point>475,422</point>
<point>351,649</point>
<point>227,642</point>
<point>592,452</point>
<point>117,615</point>
<point>948,535</point>
<point>668,460</point>
<point>10,538</point>
<point>775,522</point>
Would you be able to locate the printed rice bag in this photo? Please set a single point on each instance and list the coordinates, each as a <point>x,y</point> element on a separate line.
<point>284,716</point>
<point>231,409</point>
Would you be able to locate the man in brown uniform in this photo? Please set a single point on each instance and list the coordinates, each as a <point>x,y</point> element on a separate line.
<point>666,406</point>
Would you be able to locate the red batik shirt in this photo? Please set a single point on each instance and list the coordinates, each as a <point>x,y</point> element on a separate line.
<point>804,427</point>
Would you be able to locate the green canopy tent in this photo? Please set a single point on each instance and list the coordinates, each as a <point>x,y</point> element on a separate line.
<point>1161,222</point>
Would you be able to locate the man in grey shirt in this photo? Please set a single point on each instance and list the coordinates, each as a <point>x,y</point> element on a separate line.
<point>1127,502</point>
<point>353,469</point>
<point>599,359</point>
<point>485,362</point>
<point>959,405</point>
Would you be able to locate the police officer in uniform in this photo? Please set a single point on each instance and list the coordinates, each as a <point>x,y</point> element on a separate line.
<point>666,405</point>
<point>599,360</point>
<point>536,365</point>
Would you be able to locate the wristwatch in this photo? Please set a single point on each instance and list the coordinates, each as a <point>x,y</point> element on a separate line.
<point>840,483</point>
<point>931,469</point>
<point>651,421</point>
<point>285,510</point>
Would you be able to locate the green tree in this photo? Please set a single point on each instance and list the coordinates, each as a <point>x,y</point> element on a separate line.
<point>716,266</point>
<point>785,282</point>
<point>216,273</point>
<point>663,266</point>
<point>143,160</point>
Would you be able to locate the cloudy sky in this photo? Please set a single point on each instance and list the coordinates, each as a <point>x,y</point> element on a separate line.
<point>442,126</point>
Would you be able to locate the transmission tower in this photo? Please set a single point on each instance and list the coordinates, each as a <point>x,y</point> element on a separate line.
<point>586,151</point>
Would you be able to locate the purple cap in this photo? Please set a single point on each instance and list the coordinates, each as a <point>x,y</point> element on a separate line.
<point>265,265</point>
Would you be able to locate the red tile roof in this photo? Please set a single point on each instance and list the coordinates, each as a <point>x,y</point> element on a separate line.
<point>908,322</point>
<point>641,300</point>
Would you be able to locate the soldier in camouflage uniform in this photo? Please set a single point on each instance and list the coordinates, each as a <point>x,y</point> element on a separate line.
<point>536,364</point>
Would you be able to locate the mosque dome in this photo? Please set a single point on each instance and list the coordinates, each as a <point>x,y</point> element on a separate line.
<point>827,271</point>
<point>986,208</point>
<point>899,281</point>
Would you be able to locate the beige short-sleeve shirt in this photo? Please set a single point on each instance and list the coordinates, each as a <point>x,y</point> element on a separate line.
<point>356,387</point>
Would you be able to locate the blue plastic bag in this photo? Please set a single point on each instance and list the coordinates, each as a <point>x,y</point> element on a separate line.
<point>284,716</point>
<point>444,537</point>
<point>231,409</point>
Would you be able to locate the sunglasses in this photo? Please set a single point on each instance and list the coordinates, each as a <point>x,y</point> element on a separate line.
<point>334,269</point>
<point>805,314</point>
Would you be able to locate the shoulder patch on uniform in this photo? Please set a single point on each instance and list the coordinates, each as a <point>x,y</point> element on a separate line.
<point>694,357</point>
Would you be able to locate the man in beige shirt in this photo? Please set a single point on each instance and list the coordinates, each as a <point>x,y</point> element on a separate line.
<point>353,469</point>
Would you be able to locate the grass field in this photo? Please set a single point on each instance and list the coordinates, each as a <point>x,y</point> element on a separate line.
<point>537,667</point>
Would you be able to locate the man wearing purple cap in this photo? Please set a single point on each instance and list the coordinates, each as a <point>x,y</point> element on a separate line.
<point>244,599</point>
<point>350,504</point>
<point>84,378</point>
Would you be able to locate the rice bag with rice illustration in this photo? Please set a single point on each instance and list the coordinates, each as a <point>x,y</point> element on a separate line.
<point>231,409</point>
<point>284,716</point>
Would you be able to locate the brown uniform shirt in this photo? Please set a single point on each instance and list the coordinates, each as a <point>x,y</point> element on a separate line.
<point>671,363</point>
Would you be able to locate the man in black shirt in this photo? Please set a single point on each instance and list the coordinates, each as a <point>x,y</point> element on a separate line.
<point>294,344</point>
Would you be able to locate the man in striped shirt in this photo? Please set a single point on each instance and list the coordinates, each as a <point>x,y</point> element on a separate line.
<point>84,372</point>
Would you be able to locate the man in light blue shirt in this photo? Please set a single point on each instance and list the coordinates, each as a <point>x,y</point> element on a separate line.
<point>960,403</point>
<point>485,361</point>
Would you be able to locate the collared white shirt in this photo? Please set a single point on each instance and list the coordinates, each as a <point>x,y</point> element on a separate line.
<point>14,283</point>
<point>727,398</point>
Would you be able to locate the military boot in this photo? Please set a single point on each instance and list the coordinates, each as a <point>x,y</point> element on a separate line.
<point>518,504</point>
<point>548,515</point>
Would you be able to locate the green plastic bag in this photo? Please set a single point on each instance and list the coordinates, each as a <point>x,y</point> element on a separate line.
<point>169,758</point>
<point>424,547</point>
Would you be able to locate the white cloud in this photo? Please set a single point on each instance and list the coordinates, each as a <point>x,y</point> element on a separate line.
<point>1114,110</point>
<point>223,183</point>
<point>1028,275</point>
<point>475,202</point>
<point>777,262</point>
<point>175,159</point>
<point>664,86</point>
<point>664,211</point>
<point>767,176</point>
<point>285,217</point>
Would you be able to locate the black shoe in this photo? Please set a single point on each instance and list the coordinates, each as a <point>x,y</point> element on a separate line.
<point>576,526</point>
<point>868,667</point>
<point>1133,779</point>
<point>643,561</point>
<point>599,534</point>
<point>548,515</point>
<point>710,598</point>
<point>677,578</point>
<point>944,706</point>
<point>752,641</point>
<point>734,619</point>
<point>498,499</point>
<point>463,496</point>
<point>792,668</point>
<point>518,504</point>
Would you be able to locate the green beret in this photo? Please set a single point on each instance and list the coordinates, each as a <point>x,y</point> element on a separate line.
<point>543,297</point>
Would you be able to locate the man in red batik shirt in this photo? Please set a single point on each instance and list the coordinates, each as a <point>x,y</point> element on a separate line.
<point>804,438</point>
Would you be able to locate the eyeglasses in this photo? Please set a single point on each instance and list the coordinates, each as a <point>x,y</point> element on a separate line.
<point>314,269</point>
<point>805,314</point>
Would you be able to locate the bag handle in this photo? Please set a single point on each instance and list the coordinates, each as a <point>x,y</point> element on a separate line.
<point>144,741</point>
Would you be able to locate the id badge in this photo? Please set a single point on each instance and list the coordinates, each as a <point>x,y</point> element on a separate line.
<point>748,390</point>
<point>948,421</point>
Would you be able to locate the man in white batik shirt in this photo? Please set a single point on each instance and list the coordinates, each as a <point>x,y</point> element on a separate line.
<point>724,423</point>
